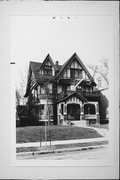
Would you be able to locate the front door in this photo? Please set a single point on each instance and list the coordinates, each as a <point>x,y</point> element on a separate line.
<point>73,112</point>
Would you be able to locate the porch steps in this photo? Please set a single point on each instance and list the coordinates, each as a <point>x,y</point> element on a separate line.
<point>81,123</point>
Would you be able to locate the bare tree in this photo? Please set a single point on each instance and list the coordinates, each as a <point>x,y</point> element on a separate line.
<point>101,69</point>
<point>20,91</point>
<point>18,97</point>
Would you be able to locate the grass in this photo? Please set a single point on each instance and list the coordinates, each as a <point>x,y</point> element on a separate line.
<point>37,133</point>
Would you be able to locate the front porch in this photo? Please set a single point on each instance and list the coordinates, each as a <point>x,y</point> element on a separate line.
<point>75,109</point>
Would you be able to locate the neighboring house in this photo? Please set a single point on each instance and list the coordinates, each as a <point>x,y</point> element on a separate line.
<point>21,115</point>
<point>62,93</point>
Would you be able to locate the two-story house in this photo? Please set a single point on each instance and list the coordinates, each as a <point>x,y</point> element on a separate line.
<point>62,93</point>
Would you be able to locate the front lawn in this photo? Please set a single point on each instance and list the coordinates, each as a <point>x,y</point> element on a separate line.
<point>37,133</point>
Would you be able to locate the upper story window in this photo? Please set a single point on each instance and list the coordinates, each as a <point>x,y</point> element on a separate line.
<point>59,89</point>
<point>43,90</point>
<point>50,89</point>
<point>48,70</point>
<point>74,72</point>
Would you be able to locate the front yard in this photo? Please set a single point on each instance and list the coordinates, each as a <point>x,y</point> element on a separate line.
<point>37,133</point>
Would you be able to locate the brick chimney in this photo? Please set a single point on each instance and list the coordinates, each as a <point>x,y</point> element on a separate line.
<point>57,63</point>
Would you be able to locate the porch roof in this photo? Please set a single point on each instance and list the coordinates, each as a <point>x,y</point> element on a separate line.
<point>76,94</point>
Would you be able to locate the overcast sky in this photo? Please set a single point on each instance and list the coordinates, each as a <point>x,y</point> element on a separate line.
<point>33,37</point>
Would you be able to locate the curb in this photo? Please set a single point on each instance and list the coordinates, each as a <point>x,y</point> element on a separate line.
<point>62,150</point>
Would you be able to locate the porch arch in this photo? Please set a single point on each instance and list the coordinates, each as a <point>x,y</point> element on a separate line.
<point>89,108</point>
<point>73,111</point>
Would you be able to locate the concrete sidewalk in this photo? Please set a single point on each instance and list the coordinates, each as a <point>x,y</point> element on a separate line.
<point>35,144</point>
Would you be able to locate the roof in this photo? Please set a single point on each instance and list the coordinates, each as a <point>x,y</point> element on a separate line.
<point>79,60</point>
<point>36,66</point>
<point>87,83</point>
<point>58,67</point>
<point>75,94</point>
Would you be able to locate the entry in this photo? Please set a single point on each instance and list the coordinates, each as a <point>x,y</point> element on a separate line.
<point>73,112</point>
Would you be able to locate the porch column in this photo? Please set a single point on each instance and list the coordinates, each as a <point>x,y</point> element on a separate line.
<point>82,117</point>
<point>65,112</point>
<point>58,114</point>
<point>97,113</point>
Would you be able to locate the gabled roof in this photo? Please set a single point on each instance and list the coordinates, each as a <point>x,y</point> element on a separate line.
<point>74,93</point>
<point>69,61</point>
<point>50,59</point>
<point>35,66</point>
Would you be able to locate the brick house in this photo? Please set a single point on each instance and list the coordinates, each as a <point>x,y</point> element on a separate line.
<point>60,94</point>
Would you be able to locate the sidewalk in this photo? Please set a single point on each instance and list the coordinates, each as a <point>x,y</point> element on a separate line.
<point>74,141</point>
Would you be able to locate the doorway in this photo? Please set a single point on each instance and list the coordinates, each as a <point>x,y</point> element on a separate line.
<point>73,112</point>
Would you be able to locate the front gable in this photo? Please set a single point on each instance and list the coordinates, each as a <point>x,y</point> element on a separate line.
<point>74,68</point>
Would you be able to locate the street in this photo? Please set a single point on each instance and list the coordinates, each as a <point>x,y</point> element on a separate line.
<point>99,153</point>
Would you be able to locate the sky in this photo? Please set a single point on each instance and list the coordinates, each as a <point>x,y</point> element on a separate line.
<point>33,37</point>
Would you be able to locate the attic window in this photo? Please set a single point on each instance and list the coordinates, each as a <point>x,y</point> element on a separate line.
<point>74,72</point>
<point>47,70</point>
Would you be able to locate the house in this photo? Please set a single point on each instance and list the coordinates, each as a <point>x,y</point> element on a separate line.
<point>21,115</point>
<point>60,94</point>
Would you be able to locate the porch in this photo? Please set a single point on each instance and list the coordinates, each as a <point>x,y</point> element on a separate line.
<point>75,109</point>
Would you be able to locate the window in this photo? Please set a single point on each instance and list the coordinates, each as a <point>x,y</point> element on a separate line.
<point>50,89</point>
<point>75,73</point>
<point>51,109</point>
<point>87,89</point>
<point>42,108</point>
<point>59,89</point>
<point>42,89</point>
<point>38,89</point>
<point>48,70</point>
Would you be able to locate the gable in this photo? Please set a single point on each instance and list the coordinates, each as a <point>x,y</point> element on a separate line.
<point>74,96</point>
<point>74,68</point>
<point>47,67</point>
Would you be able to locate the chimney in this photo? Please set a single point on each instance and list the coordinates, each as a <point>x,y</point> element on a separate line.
<point>57,63</point>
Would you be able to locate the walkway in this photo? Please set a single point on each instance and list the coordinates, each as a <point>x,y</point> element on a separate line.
<point>101,131</point>
<point>74,141</point>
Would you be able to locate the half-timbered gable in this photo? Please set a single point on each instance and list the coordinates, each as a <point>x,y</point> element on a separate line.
<point>74,68</point>
<point>47,68</point>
